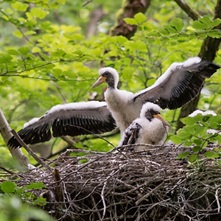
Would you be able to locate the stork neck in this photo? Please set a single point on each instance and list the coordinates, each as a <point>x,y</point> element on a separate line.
<point>111,83</point>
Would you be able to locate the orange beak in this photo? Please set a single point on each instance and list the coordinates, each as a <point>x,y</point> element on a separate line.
<point>99,81</point>
<point>162,119</point>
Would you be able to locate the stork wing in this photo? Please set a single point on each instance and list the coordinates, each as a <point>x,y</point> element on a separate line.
<point>179,84</point>
<point>72,119</point>
<point>131,134</point>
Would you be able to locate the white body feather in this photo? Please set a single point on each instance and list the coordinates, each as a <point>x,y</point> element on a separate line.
<point>120,104</point>
<point>145,131</point>
<point>152,132</point>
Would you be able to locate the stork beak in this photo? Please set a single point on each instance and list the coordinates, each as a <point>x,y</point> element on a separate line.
<point>162,119</point>
<point>99,81</point>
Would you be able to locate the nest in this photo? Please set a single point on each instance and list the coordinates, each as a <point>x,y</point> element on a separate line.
<point>150,185</point>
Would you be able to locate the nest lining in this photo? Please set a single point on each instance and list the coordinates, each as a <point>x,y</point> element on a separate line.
<point>150,185</point>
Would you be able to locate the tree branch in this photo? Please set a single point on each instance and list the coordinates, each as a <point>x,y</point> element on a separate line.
<point>16,153</point>
<point>186,8</point>
<point>128,10</point>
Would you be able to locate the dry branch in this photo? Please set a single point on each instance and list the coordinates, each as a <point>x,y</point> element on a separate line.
<point>119,185</point>
<point>186,8</point>
<point>17,154</point>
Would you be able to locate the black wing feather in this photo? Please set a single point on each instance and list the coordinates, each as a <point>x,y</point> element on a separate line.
<point>181,86</point>
<point>70,122</point>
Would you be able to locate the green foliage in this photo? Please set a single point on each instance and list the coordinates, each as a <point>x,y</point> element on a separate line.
<point>197,134</point>
<point>16,203</point>
<point>12,209</point>
<point>138,19</point>
<point>25,193</point>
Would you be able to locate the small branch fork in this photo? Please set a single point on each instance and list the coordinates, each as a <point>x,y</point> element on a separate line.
<point>29,150</point>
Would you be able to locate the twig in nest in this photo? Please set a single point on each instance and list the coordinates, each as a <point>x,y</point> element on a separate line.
<point>23,144</point>
<point>59,193</point>
<point>148,194</point>
<point>103,200</point>
<point>6,170</point>
<point>217,199</point>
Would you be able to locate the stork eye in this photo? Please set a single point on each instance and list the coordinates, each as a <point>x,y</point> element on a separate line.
<point>105,74</point>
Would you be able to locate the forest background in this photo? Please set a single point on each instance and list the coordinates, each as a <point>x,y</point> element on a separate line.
<point>51,51</point>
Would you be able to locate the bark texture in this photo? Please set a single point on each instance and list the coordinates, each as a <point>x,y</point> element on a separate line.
<point>128,10</point>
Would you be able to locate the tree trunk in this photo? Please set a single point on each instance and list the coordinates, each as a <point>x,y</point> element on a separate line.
<point>128,10</point>
<point>207,52</point>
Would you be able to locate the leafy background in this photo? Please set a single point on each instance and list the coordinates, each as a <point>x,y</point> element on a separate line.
<point>46,58</point>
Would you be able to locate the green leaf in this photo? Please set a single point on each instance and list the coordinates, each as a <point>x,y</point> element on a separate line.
<point>5,58</point>
<point>140,18</point>
<point>183,155</point>
<point>215,33</point>
<point>17,34</point>
<point>130,21</point>
<point>40,201</point>
<point>201,23</point>
<point>24,50</point>
<point>19,6</point>
<point>196,149</point>
<point>36,50</point>
<point>177,24</point>
<point>38,13</point>
<point>211,154</point>
<point>13,52</point>
<point>35,185</point>
<point>8,187</point>
<point>206,23</point>
<point>176,139</point>
<point>193,158</point>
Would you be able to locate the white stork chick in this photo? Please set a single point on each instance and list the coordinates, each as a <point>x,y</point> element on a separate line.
<point>149,128</point>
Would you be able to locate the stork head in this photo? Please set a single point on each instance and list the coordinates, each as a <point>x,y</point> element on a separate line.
<point>150,110</point>
<point>108,75</point>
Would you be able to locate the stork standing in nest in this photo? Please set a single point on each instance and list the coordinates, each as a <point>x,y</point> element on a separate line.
<point>149,128</point>
<point>177,86</point>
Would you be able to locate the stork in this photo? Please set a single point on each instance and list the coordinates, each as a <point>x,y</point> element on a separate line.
<point>149,128</point>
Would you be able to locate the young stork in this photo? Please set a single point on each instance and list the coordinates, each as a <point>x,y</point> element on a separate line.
<point>178,85</point>
<point>149,128</point>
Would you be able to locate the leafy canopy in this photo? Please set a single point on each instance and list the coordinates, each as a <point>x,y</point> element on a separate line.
<point>45,58</point>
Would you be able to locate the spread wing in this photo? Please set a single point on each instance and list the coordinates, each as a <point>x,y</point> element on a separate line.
<point>72,119</point>
<point>179,84</point>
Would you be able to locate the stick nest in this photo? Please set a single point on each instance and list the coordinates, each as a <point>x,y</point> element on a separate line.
<point>151,185</point>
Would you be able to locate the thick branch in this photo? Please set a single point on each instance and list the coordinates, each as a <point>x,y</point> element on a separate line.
<point>128,10</point>
<point>16,153</point>
<point>186,8</point>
